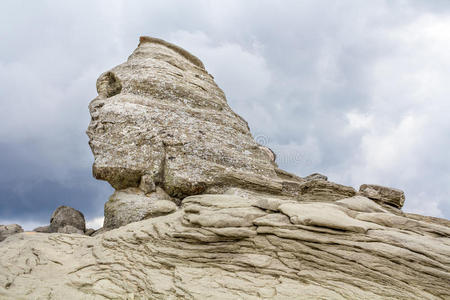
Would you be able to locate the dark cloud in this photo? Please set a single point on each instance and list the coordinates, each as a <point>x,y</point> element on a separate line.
<point>31,187</point>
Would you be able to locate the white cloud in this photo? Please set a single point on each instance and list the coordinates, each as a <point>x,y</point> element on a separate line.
<point>407,117</point>
<point>424,204</point>
<point>393,148</point>
<point>302,156</point>
<point>357,120</point>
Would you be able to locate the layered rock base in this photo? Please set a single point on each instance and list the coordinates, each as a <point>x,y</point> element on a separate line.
<point>239,247</point>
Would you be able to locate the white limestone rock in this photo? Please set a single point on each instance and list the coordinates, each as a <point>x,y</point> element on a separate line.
<point>226,247</point>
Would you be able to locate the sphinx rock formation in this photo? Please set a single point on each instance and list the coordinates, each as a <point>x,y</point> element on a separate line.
<point>160,118</point>
<point>201,211</point>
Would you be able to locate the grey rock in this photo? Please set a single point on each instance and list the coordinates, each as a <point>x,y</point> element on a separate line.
<point>65,215</point>
<point>391,196</point>
<point>8,230</point>
<point>132,205</point>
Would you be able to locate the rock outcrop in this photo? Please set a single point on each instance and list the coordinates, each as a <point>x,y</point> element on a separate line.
<point>8,230</point>
<point>201,211</point>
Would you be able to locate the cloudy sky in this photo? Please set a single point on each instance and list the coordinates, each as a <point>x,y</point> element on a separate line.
<point>356,90</point>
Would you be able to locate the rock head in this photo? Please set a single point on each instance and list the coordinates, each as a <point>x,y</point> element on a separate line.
<point>160,116</point>
<point>201,211</point>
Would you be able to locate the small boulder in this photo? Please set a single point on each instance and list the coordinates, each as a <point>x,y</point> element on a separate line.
<point>64,216</point>
<point>391,196</point>
<point>7,230</point>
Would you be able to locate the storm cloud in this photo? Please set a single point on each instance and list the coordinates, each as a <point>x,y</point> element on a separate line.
<point>355,90</point>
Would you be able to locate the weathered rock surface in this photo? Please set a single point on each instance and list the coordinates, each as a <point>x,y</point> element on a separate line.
<point>383,194</point>
<point>162,116</point>
<point>132,205</point>
<point>231,247</point>
<point>209,214</point>
<point>8,230</point>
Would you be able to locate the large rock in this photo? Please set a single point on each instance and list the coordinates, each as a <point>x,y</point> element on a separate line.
<point>65,216</point>
<point>161,115</point>
<point>8,230</point>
